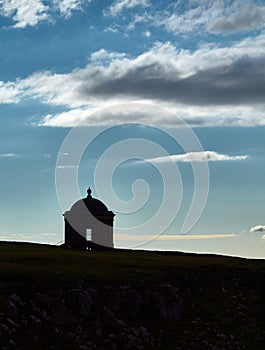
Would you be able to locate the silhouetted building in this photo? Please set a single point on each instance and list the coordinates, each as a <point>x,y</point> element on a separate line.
<point>89,225</point>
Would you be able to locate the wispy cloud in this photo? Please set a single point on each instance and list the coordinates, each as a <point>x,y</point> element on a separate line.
<point>66,167</point>
<point>40,237</point>
<point>111,29</point>
<point>215,17</point>
<point>145,17</point>
<point>124,237</point>
<point>209,156</point>
<point>8,155</point>
<point>119,6</point>
<point>66,7</point>
<point>108,113</point>
<point>64,153</point>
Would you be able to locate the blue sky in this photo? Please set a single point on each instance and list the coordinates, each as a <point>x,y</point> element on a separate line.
<point>178,83</point>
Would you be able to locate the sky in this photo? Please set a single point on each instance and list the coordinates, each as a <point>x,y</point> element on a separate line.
<point>158,106</point>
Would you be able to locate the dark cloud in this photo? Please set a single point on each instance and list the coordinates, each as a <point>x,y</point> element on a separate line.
<point>242,82</point>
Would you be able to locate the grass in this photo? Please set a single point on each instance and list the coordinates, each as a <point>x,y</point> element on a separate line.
<point>40,262</point>
<point>213,288</point>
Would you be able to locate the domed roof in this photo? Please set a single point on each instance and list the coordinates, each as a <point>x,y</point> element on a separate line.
<point>95,206</point>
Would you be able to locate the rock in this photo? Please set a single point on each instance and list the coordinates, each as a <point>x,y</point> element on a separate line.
<point>35,321</point>
<point>143,333</point>
<point>110,298</point>
<point>2,287</point>
<point>4,328</point>
<point>12,324</point>
<point>44,315</point>
<point>59,314</point>
<point>110,317</point>
<point>170,302</point>
<point>133,343</point>
<point>71,306</point>
<point>79,304</point>
<point>163,303</point>
<point>98,331</point>
<point>12,344</point>
<point>122,326</point>
<point>83,347</point>
<point>11,310</point>
<point>50,300</point>
<point>107,315</point>
<point>16,300</point>
<point>32,308</point>
<point>131,302</point>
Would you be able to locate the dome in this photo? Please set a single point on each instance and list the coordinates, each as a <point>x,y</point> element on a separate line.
<point>95,206</point>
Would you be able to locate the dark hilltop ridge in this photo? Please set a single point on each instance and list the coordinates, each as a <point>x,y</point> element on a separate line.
<point>124,299</point>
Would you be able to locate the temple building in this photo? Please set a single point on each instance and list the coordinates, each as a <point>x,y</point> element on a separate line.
<point>89,225</point>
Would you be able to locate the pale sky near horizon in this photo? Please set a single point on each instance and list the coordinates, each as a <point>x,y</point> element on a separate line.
<point>133,70</point>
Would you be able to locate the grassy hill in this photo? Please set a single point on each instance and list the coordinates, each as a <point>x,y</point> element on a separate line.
<point>222,297</point>
<point>48,262</point>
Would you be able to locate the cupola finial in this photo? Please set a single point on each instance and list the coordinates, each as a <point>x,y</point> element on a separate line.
<point>89,191</point>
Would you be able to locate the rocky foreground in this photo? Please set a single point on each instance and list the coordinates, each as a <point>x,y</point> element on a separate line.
<point>145,315</point>
<point>70,300</point>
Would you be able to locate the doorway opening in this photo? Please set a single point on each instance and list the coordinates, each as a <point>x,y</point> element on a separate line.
<point>88,234</point>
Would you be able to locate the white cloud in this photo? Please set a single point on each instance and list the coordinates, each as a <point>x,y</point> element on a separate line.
<point>103,55</point>
<point>202,86</point>
<point>24,12</point>
<point>218,17</point>
<point>186,22</point>
<point>242,16</point>
<point>54,89</point>
<point>65,119</point>
<point>209,156</point>
<point>120,5</point>
<point>212,16</point>
<point>30,12</point>
<point>107,113</point>
<point>163,61</point>
<point>258,228</point>
<point>8,92</point>
<point>67,6</point>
